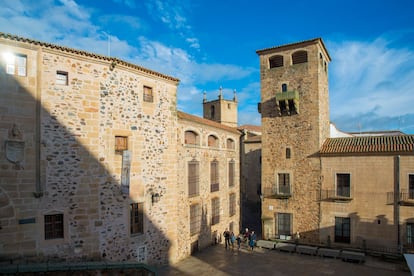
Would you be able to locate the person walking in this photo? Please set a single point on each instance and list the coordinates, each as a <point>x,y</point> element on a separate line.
<point>232,240</point>
<point>226,235</point>
<point>239,240</point>
<point>252,240</point>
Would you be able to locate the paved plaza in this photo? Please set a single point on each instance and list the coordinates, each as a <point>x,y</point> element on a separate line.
<point>216,261</point>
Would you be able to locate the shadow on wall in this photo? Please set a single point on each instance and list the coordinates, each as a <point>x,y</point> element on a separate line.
<point>49,175</point>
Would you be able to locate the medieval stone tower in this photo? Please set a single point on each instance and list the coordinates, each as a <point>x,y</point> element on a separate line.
<point>295,122</point>
<point>221,110</point>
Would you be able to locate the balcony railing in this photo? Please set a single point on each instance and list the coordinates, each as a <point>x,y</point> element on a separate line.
<point>275,193</point>
<point>332,195</point>
<point>404,198</point>
<point>214,187</point>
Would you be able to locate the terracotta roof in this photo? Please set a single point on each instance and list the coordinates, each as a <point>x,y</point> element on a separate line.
<point>193,118</point>
<point>84,53</point>
<point>369,144</point>
<point>254,139</point>
<point>310,41</point>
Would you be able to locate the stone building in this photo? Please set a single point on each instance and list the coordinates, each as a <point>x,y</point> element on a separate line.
<point>320,185</point>
<point>94,163</point>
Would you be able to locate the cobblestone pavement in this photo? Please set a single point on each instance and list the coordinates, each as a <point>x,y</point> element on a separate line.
<point>217,261</point>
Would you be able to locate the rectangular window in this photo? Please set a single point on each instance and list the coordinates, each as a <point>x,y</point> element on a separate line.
<point>215,211</point>
<point>231,173</point>
<point>137,218</point>
<point>62,78</point>
<point>342,230</point>
<point>284,224</point>
<point>214,176</point>
<point>283,184</point>
<point>121,144</point>
<point>410,233</point>
<point>343,184</point>
<point>411,186</point>
<point>232,204</point>
<point>193,178</point>
<point>15,64</point>
<point>148,96</point>
<point>195,219</point>
<point>54,226</point>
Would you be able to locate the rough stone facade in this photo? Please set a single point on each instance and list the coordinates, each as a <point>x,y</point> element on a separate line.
<point>58,156</point>
<point>301,133</point>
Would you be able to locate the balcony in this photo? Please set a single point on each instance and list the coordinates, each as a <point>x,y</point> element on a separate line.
<point>287,102</point>
<point>404,198</point>
<point>332,195</point>
<point>277,194</point>
<point>288,95</point>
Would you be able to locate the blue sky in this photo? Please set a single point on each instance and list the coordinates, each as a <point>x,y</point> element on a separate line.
<point>208,44</point>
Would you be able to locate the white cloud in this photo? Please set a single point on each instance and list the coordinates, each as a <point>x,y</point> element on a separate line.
<point>371,78</point>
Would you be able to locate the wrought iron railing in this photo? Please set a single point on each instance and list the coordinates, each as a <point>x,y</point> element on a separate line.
<point>333,195</point>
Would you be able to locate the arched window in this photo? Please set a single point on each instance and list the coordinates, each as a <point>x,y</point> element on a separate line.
<point>276,61</point>
<point>213,141</point>
<point>230,143</point>
<point>299,57</point>
<point>284,87</point>
<point>191,138</point>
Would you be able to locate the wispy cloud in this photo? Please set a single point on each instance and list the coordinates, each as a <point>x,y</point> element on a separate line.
<point>372,81</point>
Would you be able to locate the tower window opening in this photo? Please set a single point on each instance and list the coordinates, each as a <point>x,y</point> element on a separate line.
<point>299,57</point>
<point>276,61</point>
<point>284,87</point>
<point>212,112</point>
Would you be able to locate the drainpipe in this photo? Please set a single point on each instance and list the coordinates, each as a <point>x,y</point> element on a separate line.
<point>397,200</point>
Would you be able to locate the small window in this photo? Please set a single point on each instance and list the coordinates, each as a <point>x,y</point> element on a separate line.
<point>54,226</point>
<point>191,138</point>
<point>214,176</point>
<point>232,204</point>
<point>193,178</point>
<point>212,112</point>
<point>148,95</point>
<point>121,144</point>
<point>342,230</point>
<point>410,234</point>
<point>213,141</point>
<point>195,219</point>
<point>232,166</point>
<point>287,153</point>
<point>215,211</point>
<point>276,61</point>
<point>137,218</point>
<point>61,77</point>
<point>284,87</point>
<point>343,184</point>
<point>15,64</point>
<point>299,57</point>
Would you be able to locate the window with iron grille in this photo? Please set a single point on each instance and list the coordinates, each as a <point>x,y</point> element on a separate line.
<point>15,64</point>
<point>342,230</point>
<point>288,153</point>
<point>283,184</point>
<point>193,178</point>
<point>137,218</point>
<point>232,166</point>
<point>410,233</point>
<point>232,204</point>
<point>276,61</point>
<point>299,57</point>
<point>148,95</point>
<point>214,176</point>
<point>195,219</point>
<point>121,144</point>
<point>411,186</point>
<point>284,223</point>
<point>343,184</point>
<point>54,226</point>
<point>215,211</point>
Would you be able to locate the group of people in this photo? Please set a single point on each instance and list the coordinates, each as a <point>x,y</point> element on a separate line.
<point>249,237</point>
